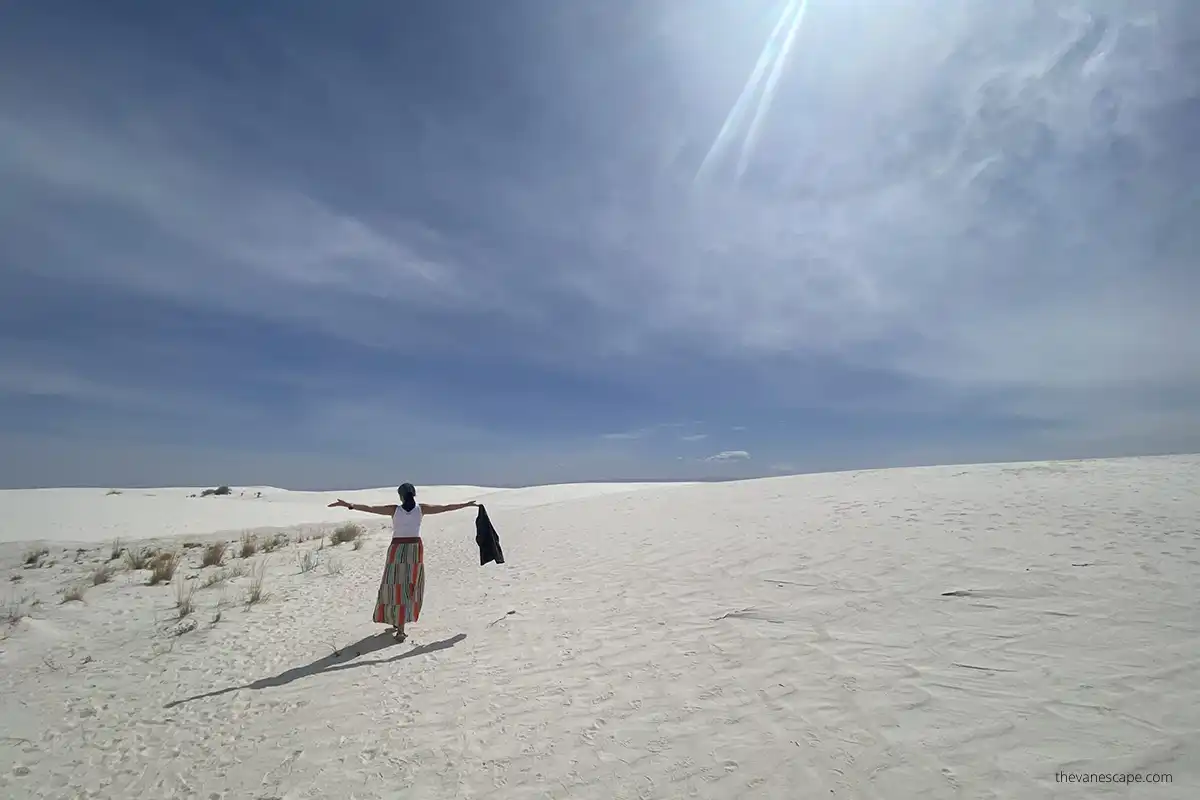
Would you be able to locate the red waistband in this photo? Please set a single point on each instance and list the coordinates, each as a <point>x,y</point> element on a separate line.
<point>406,540</point>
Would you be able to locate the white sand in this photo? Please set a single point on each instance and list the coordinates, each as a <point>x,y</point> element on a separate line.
<point>787,638</point>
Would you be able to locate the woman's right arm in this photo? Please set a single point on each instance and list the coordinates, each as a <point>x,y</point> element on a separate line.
<point>386,511</point>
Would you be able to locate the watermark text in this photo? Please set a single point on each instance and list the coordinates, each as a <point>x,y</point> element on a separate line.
<point>1113,777</point>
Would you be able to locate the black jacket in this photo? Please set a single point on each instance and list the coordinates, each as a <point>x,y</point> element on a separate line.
<point>487,539</point>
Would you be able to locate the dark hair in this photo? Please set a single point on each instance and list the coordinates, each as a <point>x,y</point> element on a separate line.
<point>408,496</point>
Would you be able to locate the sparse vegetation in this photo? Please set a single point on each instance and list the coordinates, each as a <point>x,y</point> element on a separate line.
<point>115,552</point>
<point>255,594</point>
<point>102,574</point>
<point>139,558</point>
<point>221,603</point>
<point>34,556</point>
<point>220,491</point>
<point>162,567</point>
<point>214,555</point>
<point>333,565</point>
<point>15,609</point>
<point>358,543</point>
<point>307,560</point>
<point>184,589</point>
<point>274,543</point>
<point>249,545</point>
<point>221,576</point>
<point>348,532</point>
<point>111,492</point>
<point>72,594</point>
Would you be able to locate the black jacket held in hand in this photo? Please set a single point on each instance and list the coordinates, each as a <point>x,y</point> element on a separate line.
<point>487,539</point>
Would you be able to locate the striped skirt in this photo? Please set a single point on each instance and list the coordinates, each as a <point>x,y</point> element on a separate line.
<point>403,584</point>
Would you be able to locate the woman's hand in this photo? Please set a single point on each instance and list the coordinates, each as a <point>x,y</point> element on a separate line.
<point>339,504</point>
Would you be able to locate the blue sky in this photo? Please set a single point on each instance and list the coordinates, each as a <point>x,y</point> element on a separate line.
<point>317,244</point>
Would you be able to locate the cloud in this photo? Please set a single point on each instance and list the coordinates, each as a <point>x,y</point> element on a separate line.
<point>641,433</point>
<point>975,229</point>
<point>650,430</point>
<point>694,437</point>
<point>729,455</point>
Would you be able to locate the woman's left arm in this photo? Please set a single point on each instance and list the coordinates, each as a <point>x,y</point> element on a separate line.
<point>429,508</point>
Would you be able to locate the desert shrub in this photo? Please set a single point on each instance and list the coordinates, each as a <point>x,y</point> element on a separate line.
<point>220,491</point>
<point>307,560</point>
<point>222,575</point>
<point>102,574</point>
<point>115,552</point>
<point>139,558</point>
<point>34,556</point>
<point>214,555</point>
<point>249,545</point>
<point>255,593</point>
<point>162,567</point>
<point>17,609</point>
<point>72,594</point>
<point>345,533</point>
<point>274,543</point>
<point>183,596</point>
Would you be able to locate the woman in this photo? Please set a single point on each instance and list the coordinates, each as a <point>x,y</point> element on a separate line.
<point>403,585</point>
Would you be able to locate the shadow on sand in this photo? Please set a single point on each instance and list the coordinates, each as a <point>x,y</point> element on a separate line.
<point>338,660</point>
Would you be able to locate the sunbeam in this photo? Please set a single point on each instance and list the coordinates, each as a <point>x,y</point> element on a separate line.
<point>766,58</point>
<point>768,94</point>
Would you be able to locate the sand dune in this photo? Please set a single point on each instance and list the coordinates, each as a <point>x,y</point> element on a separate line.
<point>950,632</point>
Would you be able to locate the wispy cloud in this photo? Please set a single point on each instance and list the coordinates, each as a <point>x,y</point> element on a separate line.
<point>641,433</point>
<point>694,437</point>
<point>729,455</point>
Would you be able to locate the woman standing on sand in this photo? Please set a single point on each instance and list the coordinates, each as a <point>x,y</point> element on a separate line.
<point>403,585</point>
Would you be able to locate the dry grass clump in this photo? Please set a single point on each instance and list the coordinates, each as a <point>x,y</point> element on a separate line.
<point>115,552</point>
<point>183,596</point>
<point>307,560</point>
<point>333,565</point>
<point>34,556</point>
<point>17,609</point>
<point>162,567</point>
<point>255,593</point>
<point>345,533</point>
<point>221,576</point>
<point>214,555</point>
<point>72,594</point>
<point>249,545</point>
<point>358,543</point>
<point>139,558</point>
<point>274,543</point>
<point>102,574</point>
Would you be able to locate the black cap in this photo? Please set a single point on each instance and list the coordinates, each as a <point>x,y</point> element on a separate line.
<point>407,489</point>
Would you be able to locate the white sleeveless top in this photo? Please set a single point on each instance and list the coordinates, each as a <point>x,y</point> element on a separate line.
<point>407,524</point>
